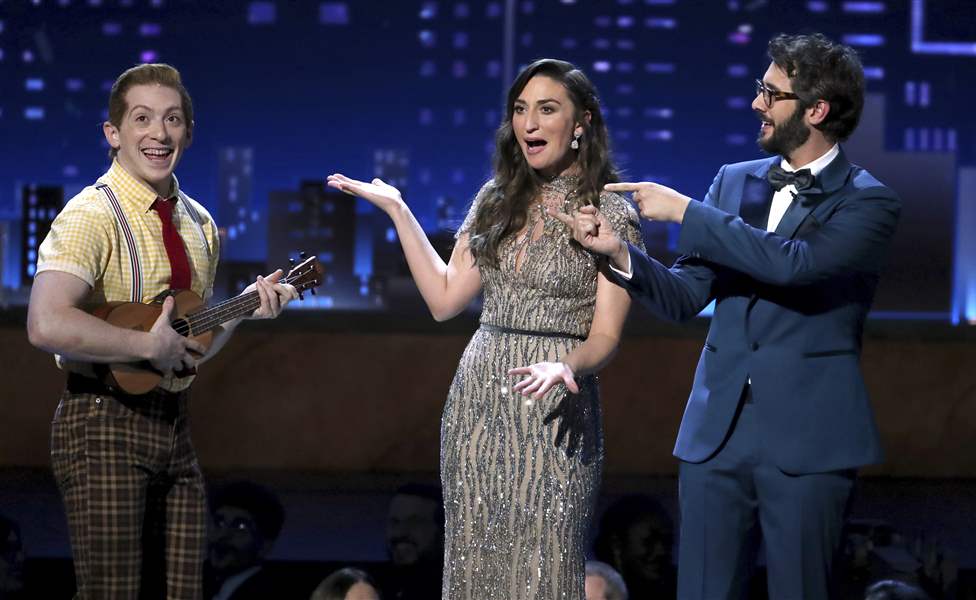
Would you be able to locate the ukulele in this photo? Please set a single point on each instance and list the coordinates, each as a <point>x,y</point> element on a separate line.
<point>193,320</point>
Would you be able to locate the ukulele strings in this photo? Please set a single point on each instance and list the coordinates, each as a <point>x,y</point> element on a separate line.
<point>209,318</point>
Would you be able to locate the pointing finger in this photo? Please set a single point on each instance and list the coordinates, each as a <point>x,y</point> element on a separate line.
<point>623,187</point>
<point>563,217</point>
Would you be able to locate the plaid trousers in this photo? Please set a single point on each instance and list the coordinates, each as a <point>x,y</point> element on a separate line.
<point>133,493</point>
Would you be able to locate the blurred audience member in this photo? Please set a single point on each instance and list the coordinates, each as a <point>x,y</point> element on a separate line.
<point>415,543</point>
<point>939,571</point>
<point>890,589</point>
<point>875,550</point>
<point>347,584</point>
<point>11,560</point>
<point>603,582</point>
<point>636,537</point>
<point>247,518</point>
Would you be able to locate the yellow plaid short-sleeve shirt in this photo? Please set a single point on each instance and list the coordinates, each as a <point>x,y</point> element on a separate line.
<point>86,240</point>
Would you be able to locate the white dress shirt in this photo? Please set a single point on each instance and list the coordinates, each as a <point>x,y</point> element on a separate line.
<point>781,199</point>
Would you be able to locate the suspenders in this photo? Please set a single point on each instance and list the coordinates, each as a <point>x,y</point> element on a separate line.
<point>135,264</point>
<point>130,241</point>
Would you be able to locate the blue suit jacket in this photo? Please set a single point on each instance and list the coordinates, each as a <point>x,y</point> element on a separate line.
<point>789,313</point>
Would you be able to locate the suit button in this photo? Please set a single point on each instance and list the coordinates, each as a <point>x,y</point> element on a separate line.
<point>754,346</point>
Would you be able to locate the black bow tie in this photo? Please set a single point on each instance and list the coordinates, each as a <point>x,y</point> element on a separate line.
<point>779,178</point>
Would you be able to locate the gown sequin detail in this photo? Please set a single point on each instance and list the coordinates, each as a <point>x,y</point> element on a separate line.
<point>517,507</point>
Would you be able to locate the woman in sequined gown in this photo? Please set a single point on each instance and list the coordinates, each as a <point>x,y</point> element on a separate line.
<point>521,433</point>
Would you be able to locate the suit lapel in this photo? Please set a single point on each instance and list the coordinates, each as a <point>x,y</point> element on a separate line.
<point>757,196</point>
<point>831,179</point>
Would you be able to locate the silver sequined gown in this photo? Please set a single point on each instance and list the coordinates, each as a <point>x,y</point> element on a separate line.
<point>517,507</point>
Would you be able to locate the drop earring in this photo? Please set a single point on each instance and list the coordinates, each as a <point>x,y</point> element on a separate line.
<point>575,143</point>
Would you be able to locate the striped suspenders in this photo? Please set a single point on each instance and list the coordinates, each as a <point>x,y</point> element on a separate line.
<point>130,241</point>
<point>196,219</point>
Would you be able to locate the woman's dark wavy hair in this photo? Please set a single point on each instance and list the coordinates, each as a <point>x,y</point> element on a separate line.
<point>504,209</point>
<point>821,69</point>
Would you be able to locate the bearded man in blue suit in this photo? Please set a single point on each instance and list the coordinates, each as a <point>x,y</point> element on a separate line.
<point>790,249</point>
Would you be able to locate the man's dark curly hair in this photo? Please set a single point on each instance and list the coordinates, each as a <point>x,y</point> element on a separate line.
<point>820,69</point>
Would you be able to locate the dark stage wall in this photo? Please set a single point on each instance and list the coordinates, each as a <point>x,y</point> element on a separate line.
<point>339,394</point>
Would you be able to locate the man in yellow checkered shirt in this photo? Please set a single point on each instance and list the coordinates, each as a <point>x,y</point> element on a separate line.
<point>124,464</point>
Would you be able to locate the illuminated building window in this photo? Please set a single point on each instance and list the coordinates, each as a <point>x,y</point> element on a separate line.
<point>659,67</point>
<point>874,73</point>
<point>34,113</point>
<point>493,10</point>
<point>870,40</point>
<point>34,84</point>
<point>737,102</point>
<point>493,68</point>
<point>74,84</point>
<point>864,7</point>
<point>660,23</point>
<point>459,69</point>
<point>148,56</point>
<point>428,39</point>
<point>625,21</point>
<point>334,13</point>
<point>111,28</point>
<point>737,70</point>
<point>658,135</point>
<point>428,11</point>
<point>150,29</point>
<point>909,139</point>
<point>601,66</point>
<point>528,7</point>
<point>262,13</point>
<point>428,68</point>
<point>817,6</point>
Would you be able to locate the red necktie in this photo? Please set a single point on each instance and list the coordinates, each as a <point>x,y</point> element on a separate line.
<point>178,263</point>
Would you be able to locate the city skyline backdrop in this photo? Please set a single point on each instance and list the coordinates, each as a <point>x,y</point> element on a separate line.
<point>287,92</point>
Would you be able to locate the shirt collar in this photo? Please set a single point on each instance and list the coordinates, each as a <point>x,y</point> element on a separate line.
<point>137,191</point>
<point>817,165</point>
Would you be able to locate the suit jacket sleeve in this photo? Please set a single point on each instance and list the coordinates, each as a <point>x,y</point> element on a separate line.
<point>852,238</point>
<point>677,293</point>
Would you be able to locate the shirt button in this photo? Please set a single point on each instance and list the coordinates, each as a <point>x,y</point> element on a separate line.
<point>754,346</point>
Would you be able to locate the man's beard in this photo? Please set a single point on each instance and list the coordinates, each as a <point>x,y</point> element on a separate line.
<point>788,136</point>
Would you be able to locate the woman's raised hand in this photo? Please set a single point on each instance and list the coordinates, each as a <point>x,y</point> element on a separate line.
<point>384,196</point>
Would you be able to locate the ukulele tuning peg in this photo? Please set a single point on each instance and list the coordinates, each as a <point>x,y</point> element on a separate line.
<point>301,296</point>
<point>302,255</point>
<point>313,292</point>
<point>291,262</point>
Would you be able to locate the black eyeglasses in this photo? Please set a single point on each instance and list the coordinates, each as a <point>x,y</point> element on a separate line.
<point>769,95</point>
